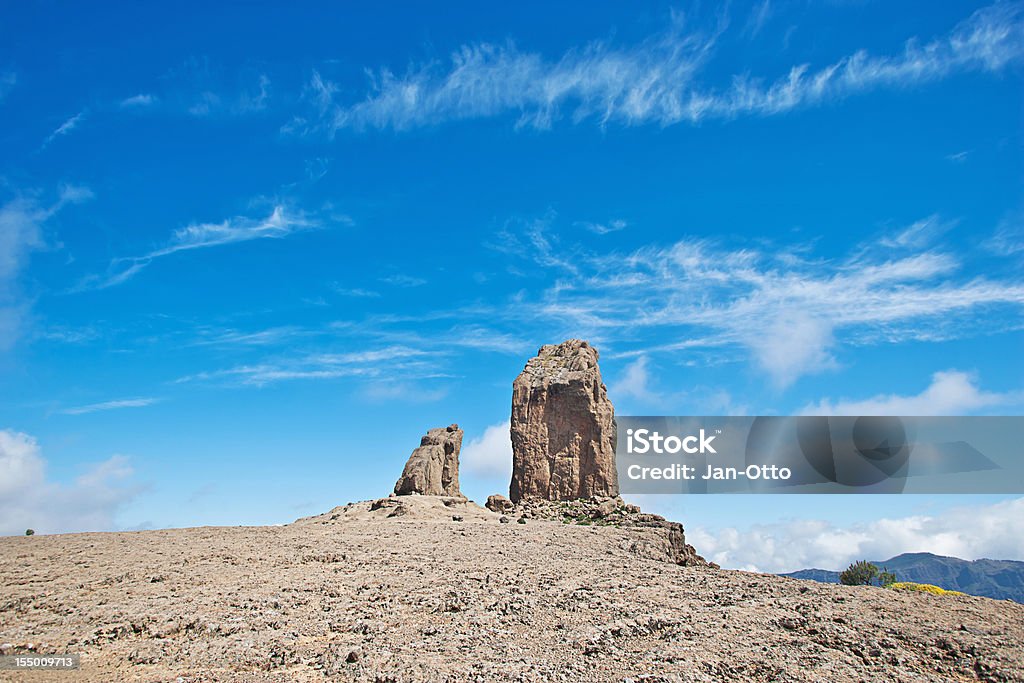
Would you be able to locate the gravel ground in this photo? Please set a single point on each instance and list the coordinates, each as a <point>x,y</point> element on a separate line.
<point>356,594</point>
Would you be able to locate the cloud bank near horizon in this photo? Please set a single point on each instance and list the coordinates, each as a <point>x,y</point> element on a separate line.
<point>30,499</point>
<point>993,531</point>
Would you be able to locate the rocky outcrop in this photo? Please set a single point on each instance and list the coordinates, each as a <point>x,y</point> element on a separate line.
<point>563,427</point>
<point>498,503</point>
<point>652,536</point>
<point>433,468</point>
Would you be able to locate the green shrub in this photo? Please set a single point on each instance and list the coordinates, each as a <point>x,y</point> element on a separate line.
<point>30,532</point>
<point>864,573</point>
<point>886,578</point>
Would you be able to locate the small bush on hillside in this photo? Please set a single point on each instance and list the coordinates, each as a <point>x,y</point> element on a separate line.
<point>30,532</point>
<point>864,573</point>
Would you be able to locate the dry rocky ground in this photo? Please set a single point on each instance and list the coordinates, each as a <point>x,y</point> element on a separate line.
<point>373,595</point>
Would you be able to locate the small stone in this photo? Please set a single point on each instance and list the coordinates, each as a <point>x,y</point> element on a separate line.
<point>504,519</point>
<point>456,518</point>
<point>521,520</point>
<point>353,656</point>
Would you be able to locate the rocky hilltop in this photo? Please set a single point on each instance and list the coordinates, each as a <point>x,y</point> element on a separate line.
<point>364,594</point>
<point>563,427</point>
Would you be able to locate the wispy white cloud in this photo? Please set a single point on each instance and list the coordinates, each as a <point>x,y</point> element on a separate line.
<point>21,222</point>
<point>403,280</point>
<point>533,239</point>
<point>21,232</point>
<point>958,157</point>
<point>281,223</point>
<point>138,101</point>
<point>244,101</point>
<point>969,532</point>
<point>486,80</point>
<point>69,335</point>
<point>917,235</point>
<point>654,82</point>
<point>266,337</point>
<point>399,365</point>
<point>634,383</point>
<point>110,405</point>
<point>951,392</point>
<point>260,374</point>
<point>758,17</point>
<point>374,356</point>
<point>255,100</point>
<point>483,339</point>
<point>613,225</point>
<point>64,128</point>
<point>355,292</point>
<point>389,390</point>
<point>202,88</point>
<point>467,335</point>
<point>1008,238</point>
<point>29,500</point>
<point>695,343</point>
<point>790,310</point>
<point>380,353</point>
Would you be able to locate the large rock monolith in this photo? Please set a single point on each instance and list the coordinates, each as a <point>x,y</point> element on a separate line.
<point>433,467</point>
<point>563,427</point>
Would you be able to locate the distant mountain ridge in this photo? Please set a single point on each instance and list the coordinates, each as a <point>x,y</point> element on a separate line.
<point>999,579</point>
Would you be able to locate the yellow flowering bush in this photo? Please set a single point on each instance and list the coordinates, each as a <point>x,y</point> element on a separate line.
<point>922,587</point>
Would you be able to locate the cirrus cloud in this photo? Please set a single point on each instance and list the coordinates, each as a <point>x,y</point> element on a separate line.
<point>657,81</point>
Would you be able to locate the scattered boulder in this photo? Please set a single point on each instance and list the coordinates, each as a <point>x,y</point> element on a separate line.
<point>498,503</point>
<point>605,509</point>
<point>433,467</point>
<point>395,507</point>
<point>504,519</point>
<point>563,427</point>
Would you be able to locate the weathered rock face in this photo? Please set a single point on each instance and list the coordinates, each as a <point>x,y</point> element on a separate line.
<point>498,503</point>
<point>433,468</point>
<point>563,427</point>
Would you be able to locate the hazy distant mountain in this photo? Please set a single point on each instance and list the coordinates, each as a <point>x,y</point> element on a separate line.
<point>1000,579</point>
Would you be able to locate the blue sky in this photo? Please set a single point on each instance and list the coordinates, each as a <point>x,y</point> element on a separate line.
<point>249,254</point>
